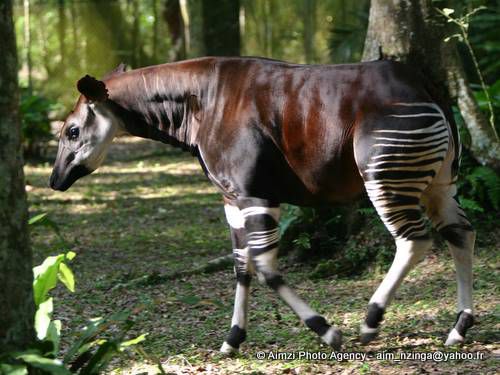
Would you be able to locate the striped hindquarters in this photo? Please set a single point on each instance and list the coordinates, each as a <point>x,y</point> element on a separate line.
<point>407,152</point>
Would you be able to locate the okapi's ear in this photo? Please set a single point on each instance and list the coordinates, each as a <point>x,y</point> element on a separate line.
<point>118,70</point>
<point>92,89</point>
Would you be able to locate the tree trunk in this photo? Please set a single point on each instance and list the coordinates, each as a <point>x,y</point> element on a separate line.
<point>155,31</point>
<point>61,31</point>
<point>412,31</point>
<point>221,27</point>
<point>75,56</point>
<point>309,17</point>
<point>16,277</point>
<point>195,15</point>
<point>135,34</point>
<point>27,43</point>
<point>175,23</point>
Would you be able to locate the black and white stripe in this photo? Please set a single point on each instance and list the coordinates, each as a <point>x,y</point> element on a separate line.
<point>242,269</point>
<point>403,164</point>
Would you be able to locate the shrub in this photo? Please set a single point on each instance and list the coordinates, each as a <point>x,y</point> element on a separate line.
<point>35,123</point>
<point>342,241</point>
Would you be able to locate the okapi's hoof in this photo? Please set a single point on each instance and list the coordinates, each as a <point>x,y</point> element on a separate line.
<point>465,320</point>
<point>333,337</point>
<point>454,338</point>
<point>228,349</point>
<point>367,334</point>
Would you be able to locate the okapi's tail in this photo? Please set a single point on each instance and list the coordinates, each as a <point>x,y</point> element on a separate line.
<point>441,98</point>
<point>452,125</point>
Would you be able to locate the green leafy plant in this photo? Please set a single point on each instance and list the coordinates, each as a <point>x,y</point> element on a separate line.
<point>494,96</point>
<point>342,240</point>
<point>480,189</point>
<point>35,122</point>
<point>347,36</point>
<point>483,34</point>
<point>303,241</point>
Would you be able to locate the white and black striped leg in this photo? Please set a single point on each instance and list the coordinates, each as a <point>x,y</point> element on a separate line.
<point>408,253</point>
<point>261,223</point>
<point>451,222</point>
<point>461,243</point>
<point>239,322</point>
<point>403,218</point>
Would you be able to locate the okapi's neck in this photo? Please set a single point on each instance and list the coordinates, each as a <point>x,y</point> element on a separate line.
<point>163,102</point>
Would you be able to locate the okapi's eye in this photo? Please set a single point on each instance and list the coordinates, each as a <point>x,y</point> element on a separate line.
<point>73,133</point>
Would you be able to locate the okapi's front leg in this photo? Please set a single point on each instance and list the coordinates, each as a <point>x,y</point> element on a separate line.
<point>243,278</point>
<point>261,224</point>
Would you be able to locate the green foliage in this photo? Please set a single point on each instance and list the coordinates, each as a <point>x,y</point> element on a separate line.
<point>478,186</point>
<point>303,241</point>
<point>479,189</point>
<point>370,246</point>
<point>494,96</point>
<point>35,123</point>
<point>347,36</point>
<point>483,35</point>
<point>36,360</point>
<point>45,221</point>
<point>91,352</point>
<point>342,241</point>
<point>46,275</point>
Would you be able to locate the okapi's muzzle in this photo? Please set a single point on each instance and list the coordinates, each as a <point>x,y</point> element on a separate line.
<point>63,181</point>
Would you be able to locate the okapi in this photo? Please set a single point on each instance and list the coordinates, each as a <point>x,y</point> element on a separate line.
<point>268,132</point>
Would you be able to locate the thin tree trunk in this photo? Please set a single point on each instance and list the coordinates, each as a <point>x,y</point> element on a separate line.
<point>155,31</point>
<point>196,43</point>
<point>242,19</point>
<point>135,34</point>
<point>221,29</point>
<point>74,35</point>
<point>42,37</point>
<point>175,23</point>
<point>268,28</point>
<point>61,31</point>
<point>414,32</point>
<point>16,277</point>
<point>309,16</point>
<point>27,42</point>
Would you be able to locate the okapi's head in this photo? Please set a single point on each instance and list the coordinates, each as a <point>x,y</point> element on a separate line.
<point>85,135</point>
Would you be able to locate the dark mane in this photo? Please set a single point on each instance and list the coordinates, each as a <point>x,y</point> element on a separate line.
<point>159,102</point>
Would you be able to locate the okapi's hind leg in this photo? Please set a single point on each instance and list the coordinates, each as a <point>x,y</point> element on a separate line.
<point>450,221</point>
<point>396,197</point>
<point>409,251</point>
<point>398,156</point>
<point>261,224</point>
<point>242,271</point>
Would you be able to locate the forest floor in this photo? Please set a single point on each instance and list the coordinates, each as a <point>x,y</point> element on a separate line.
<point>150,211</point>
